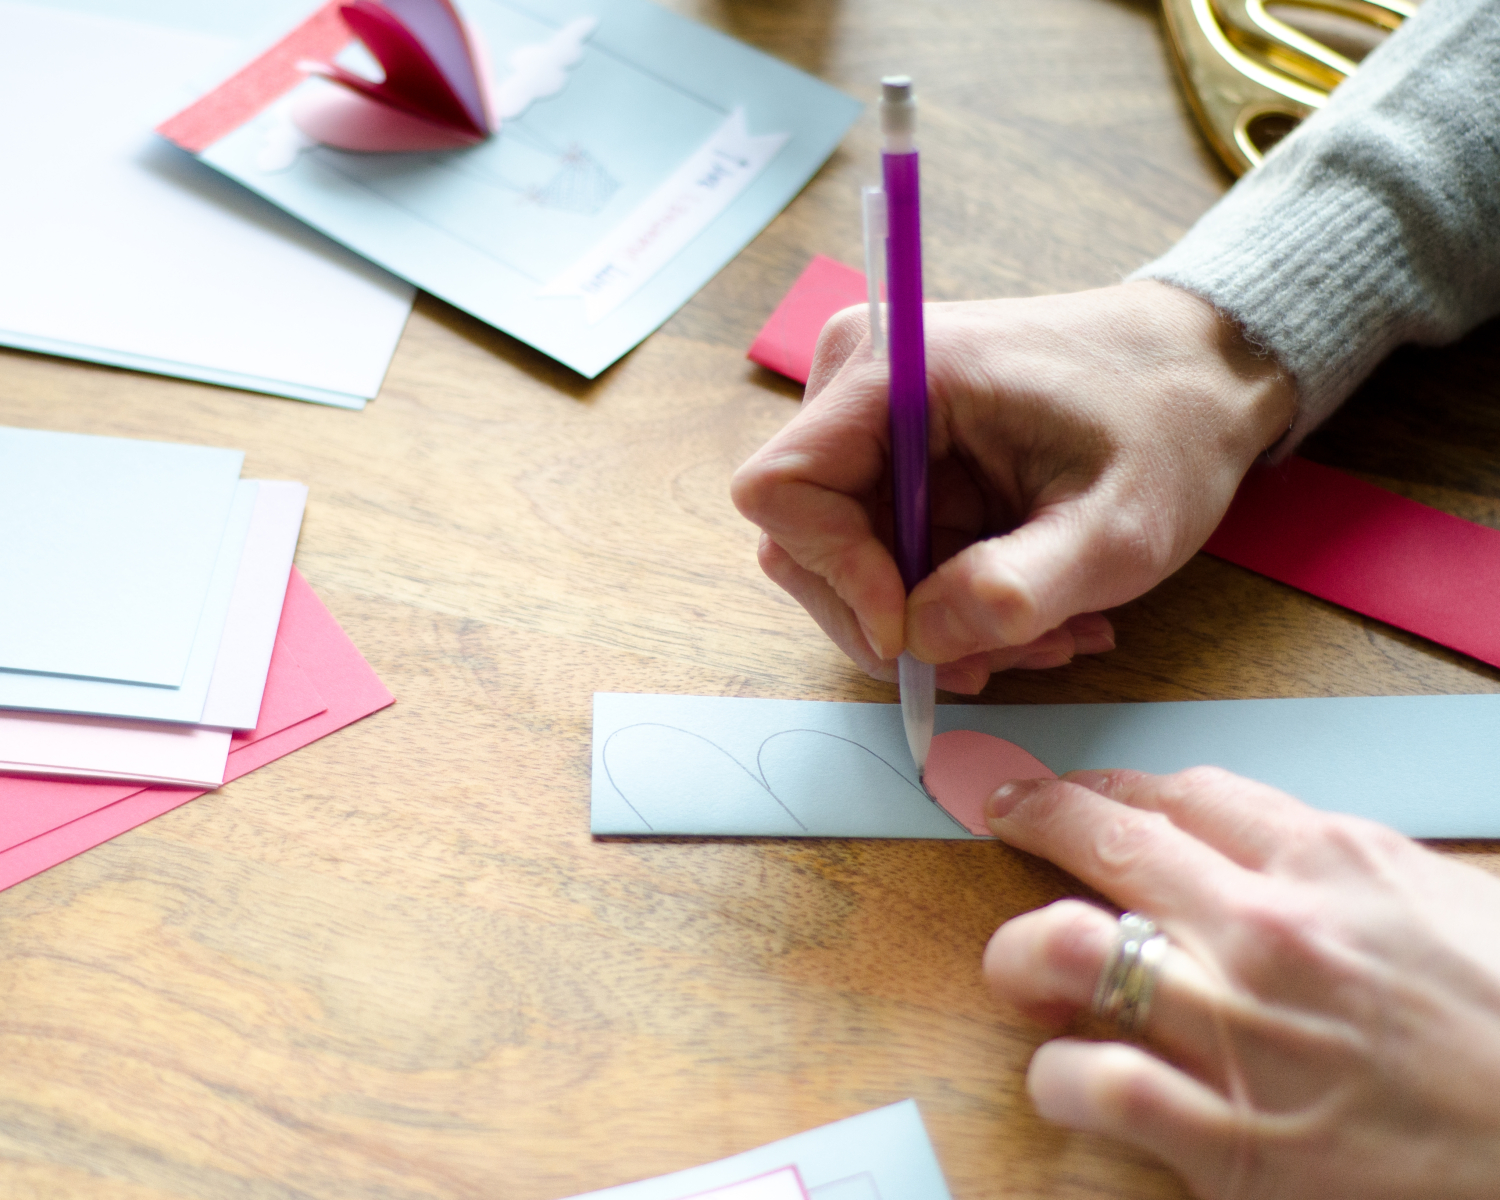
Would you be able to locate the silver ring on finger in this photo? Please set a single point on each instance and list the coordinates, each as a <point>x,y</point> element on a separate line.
<point>1128,980</point>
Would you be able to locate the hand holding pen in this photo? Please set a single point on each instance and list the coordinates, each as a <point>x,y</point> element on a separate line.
<point>1082,447</point>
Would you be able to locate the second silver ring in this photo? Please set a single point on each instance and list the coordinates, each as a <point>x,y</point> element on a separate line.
<point>1127,983</point>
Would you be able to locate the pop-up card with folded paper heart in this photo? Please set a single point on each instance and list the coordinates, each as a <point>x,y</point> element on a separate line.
<point>434,94</point>
<point>632,154</point>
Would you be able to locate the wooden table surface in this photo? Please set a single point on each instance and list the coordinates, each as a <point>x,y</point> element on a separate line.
<point>394,965</point>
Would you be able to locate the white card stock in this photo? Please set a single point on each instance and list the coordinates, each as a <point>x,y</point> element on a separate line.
<point>108,547</point>
<point>122,249</point>
<point>239,677</point>
<point>97,697</point>
<point>721,766</point>
<point>105,748</point>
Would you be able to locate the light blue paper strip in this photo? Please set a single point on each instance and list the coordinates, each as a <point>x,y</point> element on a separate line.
<point>728,767</point>
<point>488,228</point>
<point>879,1155</point>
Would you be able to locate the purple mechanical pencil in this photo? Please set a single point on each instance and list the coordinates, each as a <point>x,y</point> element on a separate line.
<point>895,212</point>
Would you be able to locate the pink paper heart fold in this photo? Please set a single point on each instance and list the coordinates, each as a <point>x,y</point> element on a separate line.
<point>435,94</point>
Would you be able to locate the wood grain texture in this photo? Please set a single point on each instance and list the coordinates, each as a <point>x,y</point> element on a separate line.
<point>394,964</point>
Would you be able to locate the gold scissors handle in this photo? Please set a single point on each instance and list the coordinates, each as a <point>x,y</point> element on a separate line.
<point>1252,77</point>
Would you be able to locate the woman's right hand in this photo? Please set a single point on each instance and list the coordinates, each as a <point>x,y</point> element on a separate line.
<point>1082,448</point>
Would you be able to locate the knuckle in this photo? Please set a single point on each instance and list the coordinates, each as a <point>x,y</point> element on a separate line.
<point>1071,941</point>
<point>1340,845</point>
<point>1143,539</point>
<point>1011,604</point>
<point>1279,931</point>
<point>1361,843</point>
<point>846,327</point>
<point>1201,779</point>
<point>1122,1089</point>
<point>1128,838</point>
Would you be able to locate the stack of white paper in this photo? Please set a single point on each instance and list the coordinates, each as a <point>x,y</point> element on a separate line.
<point>141,591</point>
<point>119,248</point>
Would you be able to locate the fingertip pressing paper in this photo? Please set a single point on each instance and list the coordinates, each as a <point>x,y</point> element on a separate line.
<point>633,153</point>
<point>735,767</point>
<point>880,1155</point>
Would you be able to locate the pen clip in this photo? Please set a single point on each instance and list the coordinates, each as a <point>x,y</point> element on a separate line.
<point>877,229</point>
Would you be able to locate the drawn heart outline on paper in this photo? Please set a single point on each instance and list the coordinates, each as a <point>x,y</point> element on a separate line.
<point>795,787</point>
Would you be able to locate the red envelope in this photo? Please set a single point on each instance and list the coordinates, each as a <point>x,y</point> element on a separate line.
<point>318,683</point>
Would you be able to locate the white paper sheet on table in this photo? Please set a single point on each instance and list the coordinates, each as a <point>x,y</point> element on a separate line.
<point>734,767</point>
<point>109,546</point>
<point>105,748</point>
<point>879,1155</point>
<point>51,693</point>
<point>122,249</point>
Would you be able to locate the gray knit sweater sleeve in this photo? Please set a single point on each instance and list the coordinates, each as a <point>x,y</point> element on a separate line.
<point>1376,223</point>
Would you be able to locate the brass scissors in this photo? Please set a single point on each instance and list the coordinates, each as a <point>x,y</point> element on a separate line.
<point>1252,77</point>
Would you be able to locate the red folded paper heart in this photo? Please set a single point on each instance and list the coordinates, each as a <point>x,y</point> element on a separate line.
<point>435,94</point>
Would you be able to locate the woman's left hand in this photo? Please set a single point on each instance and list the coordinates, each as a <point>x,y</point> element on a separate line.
<point>1326,1022</point>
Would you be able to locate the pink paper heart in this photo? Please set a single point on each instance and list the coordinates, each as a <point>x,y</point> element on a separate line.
<point>965,766</point>
<point>348,120</point>
<point>434,95</point>
<point>414,82</point>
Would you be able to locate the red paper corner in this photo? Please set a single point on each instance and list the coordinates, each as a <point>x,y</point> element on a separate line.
<point>788,339</point>
<point>276,72</point>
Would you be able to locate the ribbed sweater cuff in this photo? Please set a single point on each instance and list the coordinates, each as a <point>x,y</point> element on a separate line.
<point>1376,223</point>
<point>1314,274</point>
